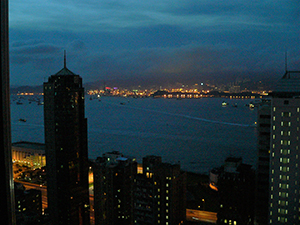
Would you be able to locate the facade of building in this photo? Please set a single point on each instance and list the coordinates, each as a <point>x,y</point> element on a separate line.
<point>113,189</point>
<point>160,193</point>
<point>29,153</point>
<point>284,159</point>
<point>28,205</point>
<point>66,148</point>
<point>263,162</point>
<point>236,193</point>
<point>127,193</point>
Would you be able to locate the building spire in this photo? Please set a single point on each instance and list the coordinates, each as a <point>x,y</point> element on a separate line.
<point>286,61</point>
<point>65,59</point>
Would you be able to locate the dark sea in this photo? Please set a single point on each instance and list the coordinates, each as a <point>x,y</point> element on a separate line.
<point>198,133</point>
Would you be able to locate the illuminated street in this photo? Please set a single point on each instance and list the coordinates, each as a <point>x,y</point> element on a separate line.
<point>201,216</point>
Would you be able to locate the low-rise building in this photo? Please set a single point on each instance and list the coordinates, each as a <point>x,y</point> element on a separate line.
<point>29,153</point>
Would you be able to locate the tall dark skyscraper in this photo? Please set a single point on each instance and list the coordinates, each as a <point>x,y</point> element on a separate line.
<point>7,197</point>
<point>66,148</point>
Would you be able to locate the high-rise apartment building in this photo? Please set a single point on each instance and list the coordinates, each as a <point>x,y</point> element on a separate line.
<point>284,195</point>
<point>263,163</point>
<point>160,193</point>
<point>129,193</point>
<point>28,205</point>
<point>7,189</point>
<point>66,148</point>
<point>236,193</point>
<point>113,189</point>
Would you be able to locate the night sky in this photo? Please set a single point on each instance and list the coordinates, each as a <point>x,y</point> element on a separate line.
<point>154,40</point>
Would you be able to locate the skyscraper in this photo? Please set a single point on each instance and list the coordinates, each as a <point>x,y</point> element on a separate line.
<point>284,159</point>
<point>66,148</point>
<point>7,189</point>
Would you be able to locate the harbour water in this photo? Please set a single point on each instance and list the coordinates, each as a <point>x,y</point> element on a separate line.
<point>198,133</point>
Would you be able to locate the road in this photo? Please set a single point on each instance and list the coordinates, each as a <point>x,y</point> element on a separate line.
<point>201,216</point>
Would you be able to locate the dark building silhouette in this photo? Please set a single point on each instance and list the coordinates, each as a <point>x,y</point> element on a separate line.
<point>263,163</point>
<point>129,193</point>
<point>28,205</point>
<point>7,189</point>
<point>236,193</point>
<point>113,189</point>
<point>66,148</point>
<point>160,193</point>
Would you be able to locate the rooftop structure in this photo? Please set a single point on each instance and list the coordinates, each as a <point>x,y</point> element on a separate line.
<point>289,83</point>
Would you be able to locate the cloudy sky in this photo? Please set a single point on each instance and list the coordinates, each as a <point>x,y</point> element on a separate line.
<point>154,40</point>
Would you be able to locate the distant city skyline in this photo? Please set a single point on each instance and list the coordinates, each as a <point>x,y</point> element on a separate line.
<point>181,41</point>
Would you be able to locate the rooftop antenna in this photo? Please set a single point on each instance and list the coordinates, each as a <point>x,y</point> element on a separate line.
<point>285,61</point>
<point>65,59</point>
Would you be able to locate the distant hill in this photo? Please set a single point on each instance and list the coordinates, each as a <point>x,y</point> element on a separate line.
<point>251,82</point>
<point>28,89</point>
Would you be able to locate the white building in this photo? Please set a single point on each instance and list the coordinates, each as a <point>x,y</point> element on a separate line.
<point>284,151</point>
<point>29,153</point>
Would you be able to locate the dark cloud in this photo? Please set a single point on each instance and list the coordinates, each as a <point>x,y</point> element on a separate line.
<point>162,41</point>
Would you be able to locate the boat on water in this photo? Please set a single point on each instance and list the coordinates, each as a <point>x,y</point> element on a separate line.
<point>22,120</point>
<point>224,103</point>
<point>251,105</point>
<point>19,103</point>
